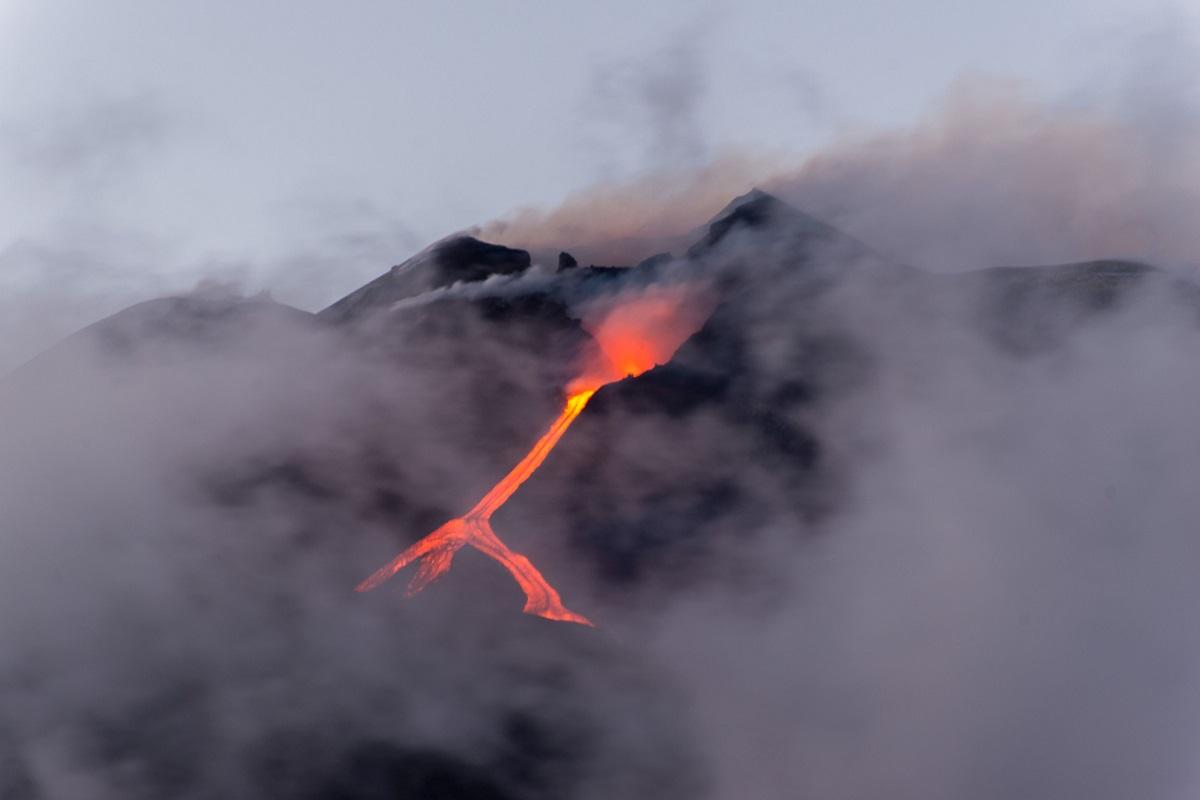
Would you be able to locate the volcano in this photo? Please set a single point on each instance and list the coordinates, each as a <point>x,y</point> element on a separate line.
<point>197,484</point>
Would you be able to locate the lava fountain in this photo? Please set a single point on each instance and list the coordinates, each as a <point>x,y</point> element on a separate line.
<point>633,334</point>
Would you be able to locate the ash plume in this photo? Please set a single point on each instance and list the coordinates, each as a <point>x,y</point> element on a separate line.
<point>623,223</point>
<point>991,175</point>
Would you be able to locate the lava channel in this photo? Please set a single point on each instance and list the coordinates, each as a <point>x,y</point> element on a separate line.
<point>437,550</point>
<point>633,336</point>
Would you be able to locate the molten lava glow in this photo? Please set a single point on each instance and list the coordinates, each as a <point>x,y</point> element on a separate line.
<point>637,333</point>
<point>437,550</point>
<point>632,336</point>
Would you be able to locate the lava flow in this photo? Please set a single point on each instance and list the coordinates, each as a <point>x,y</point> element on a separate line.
<point>633,335</point>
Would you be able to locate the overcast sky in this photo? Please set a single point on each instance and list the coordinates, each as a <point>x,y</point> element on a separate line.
<point>302,146</point>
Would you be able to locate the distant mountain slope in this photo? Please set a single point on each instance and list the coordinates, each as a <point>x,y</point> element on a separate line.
<point>204,319</point>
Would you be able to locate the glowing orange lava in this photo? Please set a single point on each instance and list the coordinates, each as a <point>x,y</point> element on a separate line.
<point>437,550</point>
<point>633,336</point>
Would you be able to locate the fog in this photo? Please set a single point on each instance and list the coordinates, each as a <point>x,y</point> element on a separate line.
<point>1002,607</point>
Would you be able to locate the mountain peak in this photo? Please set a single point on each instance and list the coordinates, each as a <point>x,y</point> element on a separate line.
<point>456,259</point>
<point>465,258</point>
<point>759,210</point>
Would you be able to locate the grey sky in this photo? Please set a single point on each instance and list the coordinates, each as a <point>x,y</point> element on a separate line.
<point>302,147</point>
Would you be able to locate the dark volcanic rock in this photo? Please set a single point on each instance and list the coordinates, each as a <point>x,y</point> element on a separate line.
<point>760,211</point>
<point>460,259</point>
<point>495,334</point>
<point>566,261</point>
<point>465,258</point>
<point>499,362</point>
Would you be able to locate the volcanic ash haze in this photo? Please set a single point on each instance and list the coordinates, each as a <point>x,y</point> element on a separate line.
<point>865,529</point>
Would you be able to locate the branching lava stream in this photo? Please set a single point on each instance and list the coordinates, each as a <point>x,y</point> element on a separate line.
<point>633,336</point>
